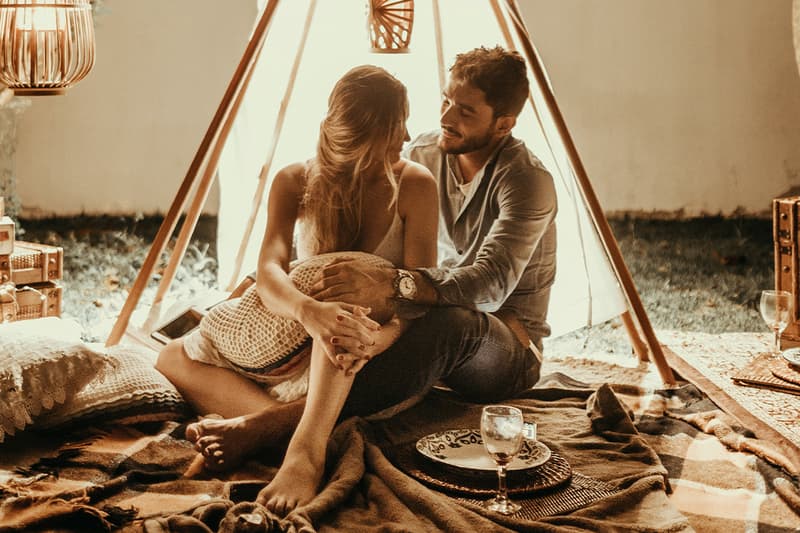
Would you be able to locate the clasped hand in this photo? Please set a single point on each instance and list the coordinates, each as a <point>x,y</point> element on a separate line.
<point>344,331</point>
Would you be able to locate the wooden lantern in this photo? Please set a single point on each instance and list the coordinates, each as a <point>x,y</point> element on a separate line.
<point>45,45</point>
<point>390,23</point>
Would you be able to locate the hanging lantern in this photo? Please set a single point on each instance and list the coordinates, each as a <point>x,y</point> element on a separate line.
<point>46,46</point>
<point>390,23</point>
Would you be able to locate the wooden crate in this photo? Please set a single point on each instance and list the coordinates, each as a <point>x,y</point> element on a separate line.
<point>32,263</point>
<point>30,301</point>
<point>785,227</point>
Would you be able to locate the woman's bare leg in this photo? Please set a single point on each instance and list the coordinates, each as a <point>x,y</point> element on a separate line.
<point>252,418</point>
<point>300,475</point>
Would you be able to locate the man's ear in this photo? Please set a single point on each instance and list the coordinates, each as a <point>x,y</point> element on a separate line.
<point>505,124</point>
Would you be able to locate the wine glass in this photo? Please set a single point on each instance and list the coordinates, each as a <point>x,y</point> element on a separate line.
<point>776,309</point>
<point>501,429</point>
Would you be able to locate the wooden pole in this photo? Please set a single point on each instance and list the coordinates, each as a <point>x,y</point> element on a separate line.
<point>595,210</point>
<point>179,201</point>
<point>203,188</point>
<point>639,346</point>
<point>258,196</point>
<point>437,32</point>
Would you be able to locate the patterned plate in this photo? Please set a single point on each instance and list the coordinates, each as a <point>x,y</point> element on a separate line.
<point>463,448</point>
<point>792,356</point>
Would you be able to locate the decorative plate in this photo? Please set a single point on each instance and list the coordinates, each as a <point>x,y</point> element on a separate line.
<point>792,356</point>
<point>556,472</point>
<point>463,449</point>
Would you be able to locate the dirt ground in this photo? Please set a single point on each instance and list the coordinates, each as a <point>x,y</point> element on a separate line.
<point>701,274</point>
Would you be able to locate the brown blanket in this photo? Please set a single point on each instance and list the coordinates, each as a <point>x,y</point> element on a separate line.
<point>134,478</point>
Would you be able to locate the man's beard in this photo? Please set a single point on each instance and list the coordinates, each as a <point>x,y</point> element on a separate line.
<point>466,144</point>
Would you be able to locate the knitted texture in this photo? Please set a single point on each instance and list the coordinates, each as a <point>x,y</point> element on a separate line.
<point>134,392</point>
<point>251,336</point>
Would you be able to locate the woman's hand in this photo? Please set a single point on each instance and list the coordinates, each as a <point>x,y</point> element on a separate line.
<point>333,323</point>
<point>353,355</point>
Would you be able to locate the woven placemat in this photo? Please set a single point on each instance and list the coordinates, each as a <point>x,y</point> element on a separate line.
<point>555,472</point>
<point>758,373</point>
<point>546,490</point>
<point>580,492</point>
<point>783,370</point>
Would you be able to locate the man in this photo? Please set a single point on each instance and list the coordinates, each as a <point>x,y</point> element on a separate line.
<point>497,240</point>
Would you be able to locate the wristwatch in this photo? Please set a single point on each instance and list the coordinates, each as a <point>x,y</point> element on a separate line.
<point>405,288</point>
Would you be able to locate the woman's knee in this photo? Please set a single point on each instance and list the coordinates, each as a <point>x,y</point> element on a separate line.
<point>171,360</point>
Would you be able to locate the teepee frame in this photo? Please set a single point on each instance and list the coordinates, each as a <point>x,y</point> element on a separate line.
<point>203,169</point>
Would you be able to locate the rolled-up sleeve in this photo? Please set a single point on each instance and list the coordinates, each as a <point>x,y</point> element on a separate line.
<point>506,230</point>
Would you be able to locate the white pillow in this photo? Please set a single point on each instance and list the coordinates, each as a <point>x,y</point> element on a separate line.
<point>40,367</point>
<point>133,392</point>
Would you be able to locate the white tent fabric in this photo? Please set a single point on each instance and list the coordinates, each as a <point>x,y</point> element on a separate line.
<point>586,290</point>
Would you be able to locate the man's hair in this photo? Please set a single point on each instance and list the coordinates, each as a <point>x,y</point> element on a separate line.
<point>499,73</point>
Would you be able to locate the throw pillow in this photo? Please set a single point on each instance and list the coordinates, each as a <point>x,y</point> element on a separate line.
<point>134,392</point>
<point>39,370</point>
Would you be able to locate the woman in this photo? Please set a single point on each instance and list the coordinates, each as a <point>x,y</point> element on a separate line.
<point>356,194</point>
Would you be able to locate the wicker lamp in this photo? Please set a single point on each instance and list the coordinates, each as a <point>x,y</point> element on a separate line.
<point>46,46</point>
<point>390,23</point>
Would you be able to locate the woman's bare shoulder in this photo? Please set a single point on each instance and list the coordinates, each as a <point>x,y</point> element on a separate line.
<point>414,170</point>
<point>416,179</point>
<point>291,178</point>
<point>418,192</point>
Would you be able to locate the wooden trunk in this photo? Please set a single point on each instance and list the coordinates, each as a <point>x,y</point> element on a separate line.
<point>785,227</point>
<point>31,301</point>
<point>32,263</point>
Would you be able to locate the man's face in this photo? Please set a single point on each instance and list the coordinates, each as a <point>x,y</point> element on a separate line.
<point>467,121</point>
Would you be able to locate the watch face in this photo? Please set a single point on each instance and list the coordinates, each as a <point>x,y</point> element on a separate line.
<point>407,286</point>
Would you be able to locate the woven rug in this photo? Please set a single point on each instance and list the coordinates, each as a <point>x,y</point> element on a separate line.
<point>721,357</point>
<point>718,357</point>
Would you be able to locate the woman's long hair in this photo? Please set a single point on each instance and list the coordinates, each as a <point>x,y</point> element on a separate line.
<point>365,123</point>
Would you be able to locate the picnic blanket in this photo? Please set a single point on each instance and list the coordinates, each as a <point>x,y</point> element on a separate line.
<point>137,478</point>
<point>721,477</point>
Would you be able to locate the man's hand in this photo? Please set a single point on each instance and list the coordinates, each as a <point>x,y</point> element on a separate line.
<point>352,281</point>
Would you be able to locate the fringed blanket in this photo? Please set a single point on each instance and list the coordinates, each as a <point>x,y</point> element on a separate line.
<point>721,477</point>
<point>142,478</point>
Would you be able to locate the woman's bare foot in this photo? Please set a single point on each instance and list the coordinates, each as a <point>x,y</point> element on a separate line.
<point>225,442</point>
<point>296,483</point>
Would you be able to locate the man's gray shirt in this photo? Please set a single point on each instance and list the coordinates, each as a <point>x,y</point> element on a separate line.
<point>497,242</point>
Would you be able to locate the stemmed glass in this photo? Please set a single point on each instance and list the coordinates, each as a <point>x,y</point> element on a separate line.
<point>776,309</point>
<point>501,429</point>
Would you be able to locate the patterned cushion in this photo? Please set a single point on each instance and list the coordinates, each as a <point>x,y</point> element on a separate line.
<point>40,367</point>
<point>134,392</point>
